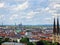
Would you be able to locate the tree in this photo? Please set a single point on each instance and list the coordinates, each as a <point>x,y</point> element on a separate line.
<point>34,43</point>
<point>24,40</point>
<point>40,43</point>
<point>46,42</point>
<point>1,41</point>
<point>29,43</point>
<point>43,42</point>
<point>55,43</point>
<point>6,39</point>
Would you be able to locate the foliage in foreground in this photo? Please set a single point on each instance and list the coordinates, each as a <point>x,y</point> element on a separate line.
<point>26,41</point>
<point>41,42</point>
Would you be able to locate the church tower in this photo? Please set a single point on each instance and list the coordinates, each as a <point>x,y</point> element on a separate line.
<point>58,27</point>
<point>56,31</point>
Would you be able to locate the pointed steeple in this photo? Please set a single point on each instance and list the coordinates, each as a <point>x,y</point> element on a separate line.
<point>54,27</point>
<point>56,31</point>
<point>58,26</point>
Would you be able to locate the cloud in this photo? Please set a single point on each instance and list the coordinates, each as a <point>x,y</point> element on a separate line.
<point>48,20</point>
<point>2,17</point>
<point>56,15</point>
<point>53,8</point>
<point>20,0</point>
<point>21,6</point>
<point>54,5</point>
<point>1,5</point>
<point>33,10</point>
<point>47,8</point>
<point>57,6</point>
<point>13,17</point>
<point>54,1</point>
<point>56,10</point>
<point>31,14</point>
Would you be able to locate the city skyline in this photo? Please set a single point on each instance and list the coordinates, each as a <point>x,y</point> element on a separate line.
<point>29,12</point>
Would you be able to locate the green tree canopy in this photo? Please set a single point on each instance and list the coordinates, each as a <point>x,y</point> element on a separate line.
<point>24,40</point>
<point>30,43</point>
<point>6,39</point>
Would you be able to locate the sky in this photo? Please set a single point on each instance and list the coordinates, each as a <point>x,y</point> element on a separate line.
<point>29,12</point>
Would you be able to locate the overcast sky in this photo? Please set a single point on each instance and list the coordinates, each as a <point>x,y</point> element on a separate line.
<point>29,12</point>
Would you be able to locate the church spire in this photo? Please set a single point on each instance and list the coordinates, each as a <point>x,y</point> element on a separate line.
<point>58,26</point>
<point>54,27</point>
<point>56,31</point>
